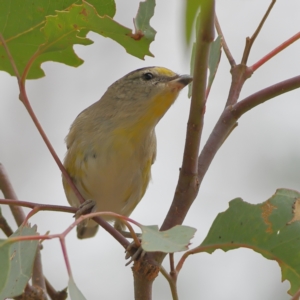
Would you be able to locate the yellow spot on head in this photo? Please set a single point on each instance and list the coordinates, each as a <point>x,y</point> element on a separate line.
<point>164,71</point>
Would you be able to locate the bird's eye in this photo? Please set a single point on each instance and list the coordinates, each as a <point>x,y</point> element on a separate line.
<point>148,76</point>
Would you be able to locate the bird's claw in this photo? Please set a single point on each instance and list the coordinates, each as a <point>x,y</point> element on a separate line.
<point>138,254</point>
<point>86,207</point>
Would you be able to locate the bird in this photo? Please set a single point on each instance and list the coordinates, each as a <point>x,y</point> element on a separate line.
<point>111,145</point>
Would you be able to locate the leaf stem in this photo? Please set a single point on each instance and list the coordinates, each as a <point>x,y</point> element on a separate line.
<point>296,296</point>
<point>65,254</point>
<point>274,52</point>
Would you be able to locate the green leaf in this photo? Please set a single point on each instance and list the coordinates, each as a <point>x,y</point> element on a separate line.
<point>103,7</point>
<point>47,31</point>
<point>193,56</point>
<point>61,33</point>
<point>20,24</point>
<point>16,260</point>
<point>173,240</point>
<point>271,229</point>
<point>192,64</point>
<point>191,10</point>
<point>142,20</point>
<point>5,266</point>
<point>74,292</point>
<point>213,60</point>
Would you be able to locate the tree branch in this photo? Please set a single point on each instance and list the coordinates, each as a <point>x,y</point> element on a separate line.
<point>9,193</point>
<point>38,279</point>
<point>266,94</point>
<point>4,226</point>
<point>240,73</point>
<point>144,273</point>
<point>231,114</point>
<point>224,44</point>
<point>250,41</point>
<point>172,282</point>
<point>188,185</point>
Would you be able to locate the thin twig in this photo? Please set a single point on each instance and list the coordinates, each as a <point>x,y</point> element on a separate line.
<point>274,52</point>
<point>172,283</point>
<point>39,206</point>
<point>19,216</point>
<point>9,193</point>
<point>55,295</point>
<point>240,73</point>
<point>38,279</point>
<point>296,296</point>
<point>250,41</point>
<point>26,102</point>
<point>4,226</point>
<point>172,267</point>
<point>65,254</point>
<point>224,44</point>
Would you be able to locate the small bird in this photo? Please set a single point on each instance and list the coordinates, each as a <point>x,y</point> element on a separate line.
<point>112,143</point>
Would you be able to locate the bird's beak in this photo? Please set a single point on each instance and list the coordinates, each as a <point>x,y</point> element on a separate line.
<point>180,82</point>
<point>184,80</point>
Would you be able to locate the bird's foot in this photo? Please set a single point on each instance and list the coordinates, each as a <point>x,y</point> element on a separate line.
<point>134,252</point>
<point>88,206</point>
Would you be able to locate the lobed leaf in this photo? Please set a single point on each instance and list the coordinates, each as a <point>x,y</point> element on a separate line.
<point>20,24</point>
<point>214,60</point>
<point>37,31</point>
<point>271,229</point>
